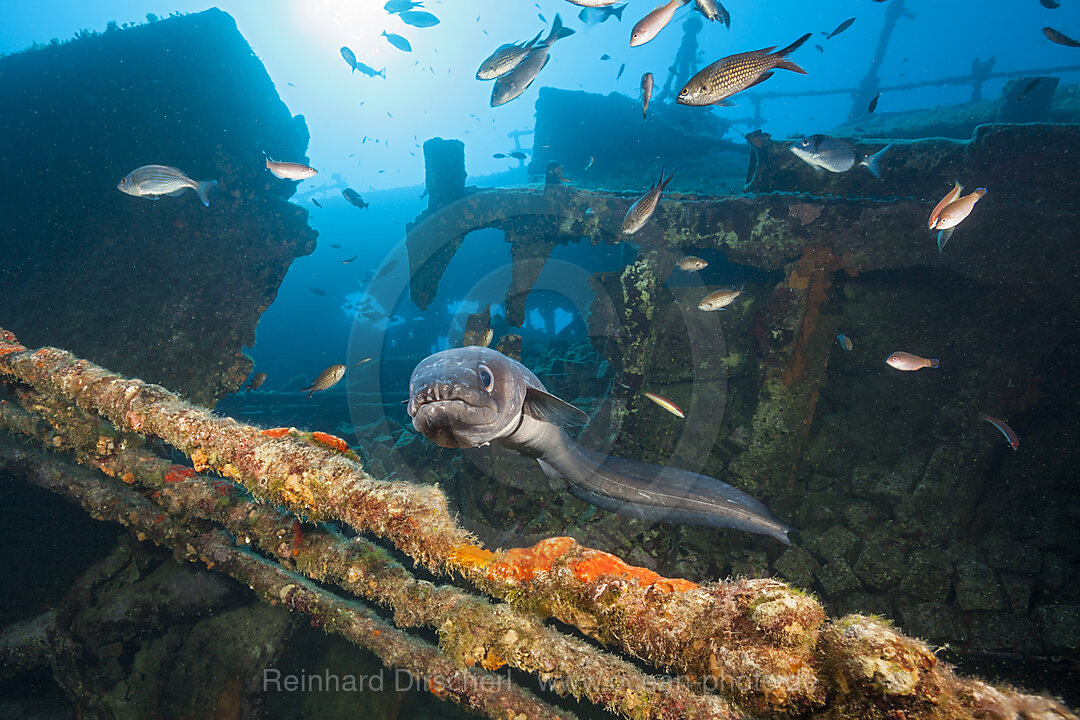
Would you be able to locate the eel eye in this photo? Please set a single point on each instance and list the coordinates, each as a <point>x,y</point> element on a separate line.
<point>486,378</point>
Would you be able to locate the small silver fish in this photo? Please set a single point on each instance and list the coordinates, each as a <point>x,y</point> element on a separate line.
<point>644,207</point>
<point>488,336</point>
<point>714,11</point>
<point>328,378</point>
<point>828,153</point>
<point>720,299</point>
<point>513,83</point>
<point>369,71</point>
<point>397,41</point>
<point>594,15</point>
<point>418,18</point>
<point>289,170</point>
<point>839,28</point>
<point>646,92</point>
<point>691,263</point>
<point>908,362</point>
<point>349,56</point>
<point>396,6</point>
<point>153,181</point>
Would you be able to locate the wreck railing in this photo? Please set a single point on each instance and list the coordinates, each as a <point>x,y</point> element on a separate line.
<point>759,644</point>
<point>974,79</point>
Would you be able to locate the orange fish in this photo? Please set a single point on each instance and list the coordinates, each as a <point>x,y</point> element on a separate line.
<point>948,199</point>
<point>666,404</point>
<point>954,213</point>
<point>648,26</point>
<point>908,362</point>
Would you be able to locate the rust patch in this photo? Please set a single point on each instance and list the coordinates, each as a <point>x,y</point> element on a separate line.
<point>811,273</point>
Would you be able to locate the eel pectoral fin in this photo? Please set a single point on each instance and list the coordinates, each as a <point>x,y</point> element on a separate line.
<point>548,408</point>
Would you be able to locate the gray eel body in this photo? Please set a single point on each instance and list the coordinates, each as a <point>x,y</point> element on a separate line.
<point>472,396</point>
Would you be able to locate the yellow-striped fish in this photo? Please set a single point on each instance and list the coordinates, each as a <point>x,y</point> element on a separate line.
<point>666,404</point>
<point>328,378</point>
<point>729,75</point>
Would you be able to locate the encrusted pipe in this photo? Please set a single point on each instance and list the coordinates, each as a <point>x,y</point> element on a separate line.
<point>486,694</point>
<point>758,642</point>
<point>700,632</point>
<point>471,630</point>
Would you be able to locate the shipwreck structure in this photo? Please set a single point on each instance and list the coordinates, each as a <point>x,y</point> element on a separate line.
<point>923,515</point>
<point>910,517</point>
<point>128,282</point>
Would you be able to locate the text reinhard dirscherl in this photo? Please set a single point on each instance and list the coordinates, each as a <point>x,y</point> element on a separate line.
<point>274,680</point>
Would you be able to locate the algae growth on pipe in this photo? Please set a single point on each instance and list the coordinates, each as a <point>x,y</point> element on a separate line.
<point>754,628</point>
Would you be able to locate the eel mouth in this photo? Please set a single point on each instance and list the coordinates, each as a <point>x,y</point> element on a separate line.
<point>453,423</point>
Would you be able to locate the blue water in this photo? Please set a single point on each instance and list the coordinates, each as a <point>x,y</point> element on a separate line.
<point>350,301</point>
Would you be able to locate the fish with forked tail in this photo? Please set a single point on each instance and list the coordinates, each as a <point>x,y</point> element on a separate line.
<point>734,73</point>
<point>505,58</point>
<point>714,10</point>
<point>473,396</point>
<point>595,15</point>
<point>153,181</point>
<point>514,83</point>
<point>644,207</point>
<point>822,152</point>
<point>327,379</point>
